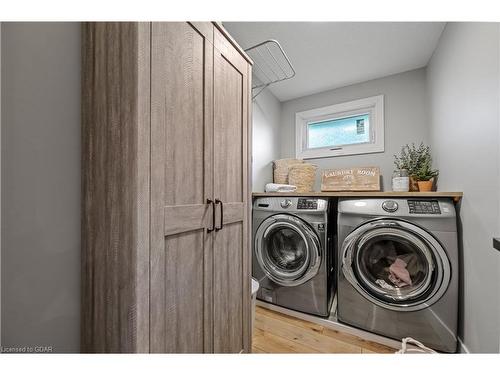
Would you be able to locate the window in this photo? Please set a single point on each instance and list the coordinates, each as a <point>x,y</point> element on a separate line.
<point>350,128</point>
<point>339,132</point>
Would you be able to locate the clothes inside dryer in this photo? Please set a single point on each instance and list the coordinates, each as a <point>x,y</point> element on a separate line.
<point>388,260</point>
<point>392,265</point>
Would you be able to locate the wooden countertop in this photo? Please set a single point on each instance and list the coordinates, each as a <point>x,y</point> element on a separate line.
<point>456,195</point>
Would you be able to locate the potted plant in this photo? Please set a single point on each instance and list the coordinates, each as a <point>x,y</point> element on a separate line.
<point>412,158</point>
<point>425,175</point>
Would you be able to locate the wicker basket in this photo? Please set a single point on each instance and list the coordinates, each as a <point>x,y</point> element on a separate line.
<point>281,168</point>
<point>303,176</point>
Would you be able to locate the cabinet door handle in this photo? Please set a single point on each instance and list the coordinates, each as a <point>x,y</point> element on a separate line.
<point>217,201</point>
<point>211,202</point>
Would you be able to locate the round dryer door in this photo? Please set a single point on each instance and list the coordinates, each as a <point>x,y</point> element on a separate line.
<point>395,264</point>
<point>287,249</point>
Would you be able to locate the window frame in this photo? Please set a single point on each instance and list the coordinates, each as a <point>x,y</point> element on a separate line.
<point>374,106</point>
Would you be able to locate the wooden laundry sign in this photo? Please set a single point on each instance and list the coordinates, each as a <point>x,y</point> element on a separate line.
<point>351,179</point>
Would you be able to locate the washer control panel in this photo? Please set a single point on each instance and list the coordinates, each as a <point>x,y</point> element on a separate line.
<point>310,205</point>
<point>307,204</point>
<point>424,207</point>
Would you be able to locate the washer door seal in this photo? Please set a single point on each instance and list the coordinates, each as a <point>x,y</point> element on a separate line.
<point>287,249</point>
<point>370,249</point>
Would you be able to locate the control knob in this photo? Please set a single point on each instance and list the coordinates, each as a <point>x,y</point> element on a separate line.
<point>286,203</point>
<point>390,206</point>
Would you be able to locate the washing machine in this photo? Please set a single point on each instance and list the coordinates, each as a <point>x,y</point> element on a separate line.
<point>398,273</point>
<point>293,255</point>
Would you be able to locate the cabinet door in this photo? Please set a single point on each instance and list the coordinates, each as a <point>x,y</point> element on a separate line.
<point>181,182</point>
<point>231,266</point>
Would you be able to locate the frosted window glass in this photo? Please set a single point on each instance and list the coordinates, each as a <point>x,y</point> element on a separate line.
<point>339,132</point>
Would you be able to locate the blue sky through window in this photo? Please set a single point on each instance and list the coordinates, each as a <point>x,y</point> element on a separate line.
<point>339,132</point>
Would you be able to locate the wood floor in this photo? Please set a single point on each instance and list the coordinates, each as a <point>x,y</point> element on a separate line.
<point>278,333</point>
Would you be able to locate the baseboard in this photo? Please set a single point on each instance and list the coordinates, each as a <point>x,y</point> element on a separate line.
<point>462,348</point>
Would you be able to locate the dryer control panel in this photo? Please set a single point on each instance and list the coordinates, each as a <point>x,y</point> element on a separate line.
<point>424,207</point>
<point>307,204</point>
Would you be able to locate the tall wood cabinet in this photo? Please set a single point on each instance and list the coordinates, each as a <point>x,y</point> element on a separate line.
<point>166,199</point>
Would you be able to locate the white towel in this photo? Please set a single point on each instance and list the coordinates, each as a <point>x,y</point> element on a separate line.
<point>280,188</point>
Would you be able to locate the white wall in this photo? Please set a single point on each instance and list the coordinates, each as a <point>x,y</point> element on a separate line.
<point>463,93</point>
<point>266,138</point>
<point>0,185</point>
<point>405,119</point>
<point>498,292</point>
<point>40,185</point>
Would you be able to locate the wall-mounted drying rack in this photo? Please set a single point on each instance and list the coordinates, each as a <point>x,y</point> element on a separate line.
<point>271,65</point>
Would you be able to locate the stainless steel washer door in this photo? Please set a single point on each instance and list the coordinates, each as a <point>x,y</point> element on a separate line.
<point>287,249</point>
<point>395,264</point>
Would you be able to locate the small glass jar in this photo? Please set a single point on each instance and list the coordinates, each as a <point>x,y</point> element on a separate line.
<point>400,180</point>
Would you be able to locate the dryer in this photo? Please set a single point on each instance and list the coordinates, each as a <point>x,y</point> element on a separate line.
<point>399,268</point>
<point>293,254</point>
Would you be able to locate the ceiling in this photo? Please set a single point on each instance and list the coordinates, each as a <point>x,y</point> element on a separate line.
<point>328,55</point>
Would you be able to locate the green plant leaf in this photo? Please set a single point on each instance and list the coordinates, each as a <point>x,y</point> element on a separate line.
<point>417,160</point>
